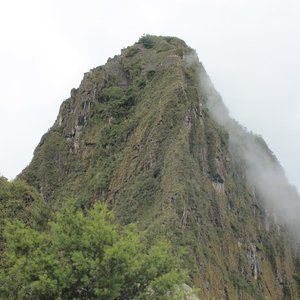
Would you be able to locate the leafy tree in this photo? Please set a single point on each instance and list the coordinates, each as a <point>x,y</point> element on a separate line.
<point>19,201</point>
<point>86,256</point>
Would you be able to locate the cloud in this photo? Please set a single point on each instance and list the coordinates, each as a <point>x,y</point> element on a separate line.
<point>263,171</point>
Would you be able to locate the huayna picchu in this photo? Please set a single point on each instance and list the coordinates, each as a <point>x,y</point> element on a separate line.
<point>148,135</point>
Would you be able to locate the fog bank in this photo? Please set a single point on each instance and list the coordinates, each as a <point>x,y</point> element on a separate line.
<point>263,171</point>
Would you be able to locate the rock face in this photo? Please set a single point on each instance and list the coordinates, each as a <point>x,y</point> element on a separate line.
<point>138,134</point>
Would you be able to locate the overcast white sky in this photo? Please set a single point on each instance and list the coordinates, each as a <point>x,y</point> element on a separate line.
<point>250,49</point>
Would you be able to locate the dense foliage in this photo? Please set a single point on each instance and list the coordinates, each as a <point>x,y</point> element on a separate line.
<point>19,201</point>
<point>85,256</point>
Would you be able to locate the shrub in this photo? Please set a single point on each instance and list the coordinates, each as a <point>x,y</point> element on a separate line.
<point>147,41</point>
<point>86,256</point>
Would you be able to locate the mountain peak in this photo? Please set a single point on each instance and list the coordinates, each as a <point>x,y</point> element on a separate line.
<point>148,134</point>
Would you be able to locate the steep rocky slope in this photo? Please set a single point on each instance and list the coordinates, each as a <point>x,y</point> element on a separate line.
<point>138,134</point>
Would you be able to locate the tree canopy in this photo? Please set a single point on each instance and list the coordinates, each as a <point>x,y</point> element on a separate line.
<point>20,201</point>
<point>84,255</point>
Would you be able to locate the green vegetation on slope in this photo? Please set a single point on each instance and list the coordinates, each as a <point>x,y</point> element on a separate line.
<point>19,201</point>
<point>83,255</point>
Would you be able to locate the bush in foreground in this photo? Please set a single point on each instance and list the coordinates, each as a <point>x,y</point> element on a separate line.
<point>86,256</point>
